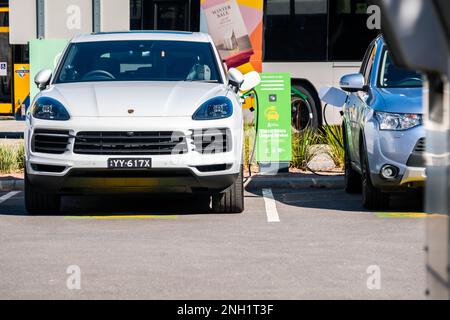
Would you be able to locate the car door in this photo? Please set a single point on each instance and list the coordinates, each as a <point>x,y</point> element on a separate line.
<point>359,104</point>
<point>351,113</point>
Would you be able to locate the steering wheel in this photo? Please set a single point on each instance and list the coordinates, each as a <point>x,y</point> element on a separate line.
<point>98,73</point>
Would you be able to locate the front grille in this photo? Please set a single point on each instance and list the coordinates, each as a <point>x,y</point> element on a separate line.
<point>50,141</point>
<point>138,173</point>
<point>47,168</point>
<point>130,143</point>
<point>420,145</point>
<point>214,167</point>
<point>417,157</point>
<point>214,140</point>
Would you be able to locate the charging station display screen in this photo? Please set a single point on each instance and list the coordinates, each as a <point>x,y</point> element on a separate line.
<point>274,118</point>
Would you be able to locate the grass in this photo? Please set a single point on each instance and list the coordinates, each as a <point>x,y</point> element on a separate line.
<point>12,157</point>
<point>302,152</point>
<point>333,136</point>
<point>249,140</point>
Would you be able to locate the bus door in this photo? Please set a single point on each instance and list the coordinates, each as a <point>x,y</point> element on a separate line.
<point>21,89</point>
<point>5,64</point>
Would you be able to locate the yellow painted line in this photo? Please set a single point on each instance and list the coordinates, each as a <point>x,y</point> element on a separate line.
<point>413,215</point>
<point>119,217</point>
<point>4,29</point>
<point>4,9</point>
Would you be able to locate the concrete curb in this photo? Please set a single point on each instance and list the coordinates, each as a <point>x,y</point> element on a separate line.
<point>11,185</point>
<point>294,182</point>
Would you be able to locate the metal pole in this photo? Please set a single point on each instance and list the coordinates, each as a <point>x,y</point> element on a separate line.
<point>40,19</point>
<point>96,15</point>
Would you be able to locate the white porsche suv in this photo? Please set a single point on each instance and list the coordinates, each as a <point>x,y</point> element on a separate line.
<point>136,112</point>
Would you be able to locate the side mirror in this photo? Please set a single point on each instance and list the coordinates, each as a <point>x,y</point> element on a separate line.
<point>251,80</point>
<point>235,78</point>
<point>353,82</point>
<point>42,78</point>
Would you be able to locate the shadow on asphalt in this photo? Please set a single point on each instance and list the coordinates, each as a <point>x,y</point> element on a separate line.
<point>339,200</point>
<point>102,205</point>
<point>118,205</point>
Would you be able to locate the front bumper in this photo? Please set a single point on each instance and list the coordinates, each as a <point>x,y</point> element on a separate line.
<point>395,148</point>
<point>169,173</point>
<point>82,181</point>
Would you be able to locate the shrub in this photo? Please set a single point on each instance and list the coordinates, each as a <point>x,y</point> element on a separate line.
<point>302,152</point>
<point>12,157</point>
<point>333,136</point>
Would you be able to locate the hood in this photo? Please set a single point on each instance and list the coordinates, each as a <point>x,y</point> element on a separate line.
<point>147,99</point>
<point>401,100</point>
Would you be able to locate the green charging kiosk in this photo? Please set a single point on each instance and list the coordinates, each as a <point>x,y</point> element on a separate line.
<point>273,146</point>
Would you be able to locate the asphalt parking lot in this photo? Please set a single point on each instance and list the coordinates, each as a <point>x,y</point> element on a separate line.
<point>309,243</point>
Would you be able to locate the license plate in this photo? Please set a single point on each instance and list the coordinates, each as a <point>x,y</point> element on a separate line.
<point>129,163</point>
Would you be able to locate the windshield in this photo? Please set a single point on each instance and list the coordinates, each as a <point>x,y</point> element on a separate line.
<point>138,61</point>
<point>392,76</point>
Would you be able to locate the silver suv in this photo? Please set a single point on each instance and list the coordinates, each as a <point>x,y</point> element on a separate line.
<point>384,136</point>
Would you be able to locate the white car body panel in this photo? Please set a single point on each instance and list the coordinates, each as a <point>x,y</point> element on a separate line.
<point>146,98</point>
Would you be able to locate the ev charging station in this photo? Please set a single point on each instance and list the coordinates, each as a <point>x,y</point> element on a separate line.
<point>411,28</point>
<point>273,120</point>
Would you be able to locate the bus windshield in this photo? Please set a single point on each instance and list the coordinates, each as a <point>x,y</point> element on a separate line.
<point>133,60</point>
<point>392,76</point>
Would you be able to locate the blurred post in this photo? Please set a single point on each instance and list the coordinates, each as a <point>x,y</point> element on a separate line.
<point>418,35</point>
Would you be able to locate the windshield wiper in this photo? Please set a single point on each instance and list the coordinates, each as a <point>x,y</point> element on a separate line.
<point>199,80</point>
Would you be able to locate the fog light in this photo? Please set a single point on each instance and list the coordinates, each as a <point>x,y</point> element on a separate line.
<point>389,172</point>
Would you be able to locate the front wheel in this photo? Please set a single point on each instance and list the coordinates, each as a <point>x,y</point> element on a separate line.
<point>40,202</point>
<point>352,178</point>
<point>373,198</point>
<point>231,200</point>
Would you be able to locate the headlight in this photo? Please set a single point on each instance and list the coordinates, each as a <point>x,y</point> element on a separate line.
<point>398,121</point>
<point>49,109</point>
<point>215,108</point>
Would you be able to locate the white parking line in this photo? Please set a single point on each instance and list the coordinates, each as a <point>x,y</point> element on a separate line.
<point>8,195</point>
<point>271,207</point>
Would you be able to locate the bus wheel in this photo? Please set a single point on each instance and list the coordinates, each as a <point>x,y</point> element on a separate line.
<point>304,113</point>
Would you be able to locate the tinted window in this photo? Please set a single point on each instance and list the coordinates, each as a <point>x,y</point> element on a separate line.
<point>139,61</point>
<point>392,76</point>
<point>295,30</point>
<point>349,35</point>
<point>4,19</point>
<point>316,30</point>
<point>181,15</point>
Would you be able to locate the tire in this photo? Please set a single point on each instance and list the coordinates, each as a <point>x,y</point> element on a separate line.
<point>38,202</point>
<point>231,200</point>
<point>202,202</point>
<point>352,177</point>
<point>301,111</point>
<point>373,198</point>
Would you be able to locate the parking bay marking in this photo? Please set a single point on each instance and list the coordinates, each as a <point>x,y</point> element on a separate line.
<point>112,217</point>
<point>416,215</point>
<point>8,196</point>
<point>271,207</point>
